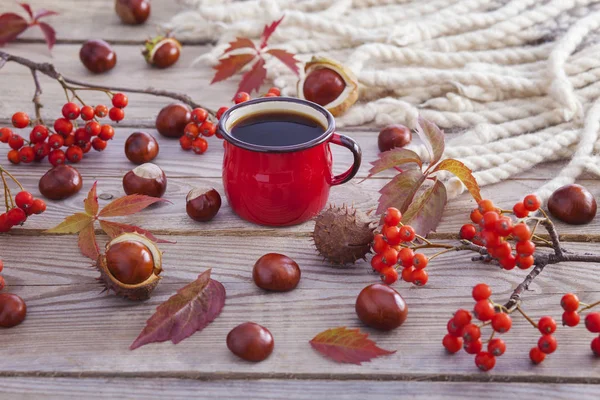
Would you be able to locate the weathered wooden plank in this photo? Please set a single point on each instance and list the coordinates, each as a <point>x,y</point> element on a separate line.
<point>275,389</point>
<point>72,328</point>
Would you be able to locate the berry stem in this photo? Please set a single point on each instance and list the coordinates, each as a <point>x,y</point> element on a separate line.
<point>588,306</point>
<point>36,98</point>
<point>4,171</point>
<point>524,314</point>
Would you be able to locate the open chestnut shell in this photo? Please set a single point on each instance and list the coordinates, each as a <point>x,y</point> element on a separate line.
<point>146,179</point>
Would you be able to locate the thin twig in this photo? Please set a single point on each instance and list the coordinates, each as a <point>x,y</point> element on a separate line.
<point>36,97</point>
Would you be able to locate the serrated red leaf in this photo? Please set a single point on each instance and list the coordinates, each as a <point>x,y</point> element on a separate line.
<point>268,31</point>
<point>345,345</point>
<point>287,58</point>
<point>462,172</point>
<point>253,79</point>
<point>400,191</point>
<point>49,34</point>
<point>394,158</point>
<point>432,137</point>
<point>114,229</point>
<point>231,65</point>
<point>425,212</point>
<point>240,43</point>
<point>41,13</point>
<point>27,8</point>
<point>72,224</point>
<point>90,204</point>
<point>11,26</point>
<point>128,205</point>
<point>190,310</point>
<point>87,242</point>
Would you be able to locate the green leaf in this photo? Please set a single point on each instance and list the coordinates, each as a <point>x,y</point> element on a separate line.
<point>72,224</point>
<point>425,213</point>
<point>393,158</point>
<point>462,172</point>
<point>400,191</point>
<point>432,137</point>
<point>91,203</point>
<point>87,242</point>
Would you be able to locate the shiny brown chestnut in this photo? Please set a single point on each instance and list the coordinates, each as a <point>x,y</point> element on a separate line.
<point>133,12</point>
<point>12,310</point>
<point>323,86</point>
<point>276,272</point>
<point>172,119</point>
<point>572,204</point>
<point>202,204</point>
<point>250,342</point>
<point>60,182</point>
<point>146,179</point>
<point>393,136</point>
<point>130,262</point>
<point>97,56</point>
<point>141,147</point>
<point>381,307</point>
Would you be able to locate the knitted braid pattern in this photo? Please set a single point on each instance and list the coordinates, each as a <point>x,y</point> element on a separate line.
<point>516,81</point>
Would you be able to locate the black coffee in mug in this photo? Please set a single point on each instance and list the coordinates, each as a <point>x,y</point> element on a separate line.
<point>277,128</point>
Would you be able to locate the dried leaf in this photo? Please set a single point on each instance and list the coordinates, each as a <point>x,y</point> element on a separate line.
<point>190,310</point>
<point>425,213</point>
<point>253,79</point>
<point>128,205</point>
<point>11,26</point>
<point>41,13</point>
<point>114,229</point>
<point>49,34</point>
<point>91,203</point>
<point>267,32</point>
<point>400,191</point>
<point>240,43</point>
<point>432,137</point>
<point>72,224</point>
<point>462,172</point>
<point>345,345</point>
<point>27,8</point>
<point>287,58</point>
<point>231,65</point>
<point>392,158</point>
<point>87,242</point>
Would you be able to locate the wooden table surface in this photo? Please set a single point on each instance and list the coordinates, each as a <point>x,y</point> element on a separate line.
<point>74,342</point>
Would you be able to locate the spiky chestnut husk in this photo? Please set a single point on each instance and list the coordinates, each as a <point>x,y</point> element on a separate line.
<point>343,235</point>
<point>139,291</point>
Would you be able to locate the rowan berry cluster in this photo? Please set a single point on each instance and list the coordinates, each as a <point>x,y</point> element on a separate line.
<point>19,209</point>
<point>66,140</point>
<point>200,127</point>
<point>571,317</point>
<point>394,250</point>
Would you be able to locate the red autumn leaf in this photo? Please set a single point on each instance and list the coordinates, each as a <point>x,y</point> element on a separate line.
<point>190,310</point>
<point>49,34</point>
<point>462,172</point>
<point>72,224</point>
<point>87,242</point>
<point>425,213</point>
<point>287,58</point>
<point>11,26</point>
<point>240,43</point>
<point>231,65</point>
<point>41,13</point>
<point>400,191</point>
<point>91,202</point>
<point>114,229</point>
<point>393,158</point>
<point>253,79</point>
<point>27,8</point>
<point>345,345</point>
<point>433,139</point>
<point>128,205</point>
<point>268,31</point>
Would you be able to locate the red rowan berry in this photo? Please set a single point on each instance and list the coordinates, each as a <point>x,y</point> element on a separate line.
<point>520,211</point>
<point>379,244</point>
<point>407,233</point>
<point>419,277</point>
<point>38,134</point>
<point>377,263</point>
<point>489,220</point>
<point>24,200</point>
<point>99,144</point>
<point>483,310</point>
<point>536,355</point>
<point>274,91</point>
<point>71,111</point>
<point>221,111</point>
<point>87,113</point>
<point>525,247</point>
<point>525,262</point>
<point>392,235</point>
<point>5,135</point>
<point>101,111</point>
<point>16,216</point>
<point>452,344</point>
<point>207,129</point>
<point>38,206</point>
<point>27,154</point>
<point>473,346</point>
<point>389,275</point>
<point>407,274</point>
<point>532,202</point>
<point>462,318</point>
<point>503,226</point>
<point>476,216</point>
<point>592,322</point>
<point>481,291</point>
<point>406,257</point>
<point>20,119</point>
<point>521,232</point>
<point>393,216</point>
<point>485,361</point>
<point>509,262</point>
<point>63,126</point>
<point>107,132</point>
<point>571,318</point>
<point>56,157</point>
<point>74,154</point>
<point>485,205</point>
<point>191,130</point>
<point>199,145</point>
<point>185,142</point>
<point>120,100</point>
<point>547,344</point>
<point>16,142</point>
<point>467,232</point>
<point>56,141</point>
<point>241,97</point>
<point>497,347</point>
<point>501,322</point>
<point>116,114</point>
<point>199,115</point>
<point>547,325</point>
<point>390,256</point>
<point>569,302</point>
<point>420,261</point>
<point>595,345</point>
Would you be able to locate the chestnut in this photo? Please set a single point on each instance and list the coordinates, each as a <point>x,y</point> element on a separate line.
<point>162,52</point>
<point>250,342</point>
<point>276,272</point>
<point>60,182</point>
<point>141,147</point>
<point>172,119</point>
<point>381,307</point>
<point>202,204</point>
<point>12,310</point>
<point>323,86</point>
<point>146,179</point>
<point>393,136</point>
<point>97,56</point>
<point>572,204</point>
<point>133,12</point>
<point>130,262</point>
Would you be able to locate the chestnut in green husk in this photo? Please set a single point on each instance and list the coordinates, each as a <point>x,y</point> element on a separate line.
<point>162,52</point>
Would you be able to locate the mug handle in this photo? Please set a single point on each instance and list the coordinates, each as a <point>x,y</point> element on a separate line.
<point>349,143</point>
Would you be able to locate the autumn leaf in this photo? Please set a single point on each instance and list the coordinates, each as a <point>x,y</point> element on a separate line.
<point>72,224</point>
<point>253,79</point>
<point>240,43</point>
<point>114,229</point>
<point>287,58</point>
<point>91,202</point>
<point>462,172</point>
<point>345,345</point>
<point>49,34</point>
<point>190,310</point>
<point>27,9</point>
<point>425,213</point>
<point>128,205</point>
<point>87,242</point>
<point>231,65</point>
<point>268,31</point>
<point>433,139</point>
<point>393,158</point>
<point>11,26</point>
<point>42,12</point>
<point>400,191</point>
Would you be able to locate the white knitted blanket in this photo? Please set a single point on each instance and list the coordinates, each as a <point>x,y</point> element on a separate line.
<point>519,78</point>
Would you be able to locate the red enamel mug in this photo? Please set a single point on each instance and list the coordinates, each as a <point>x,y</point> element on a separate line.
<point>281,185</point>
